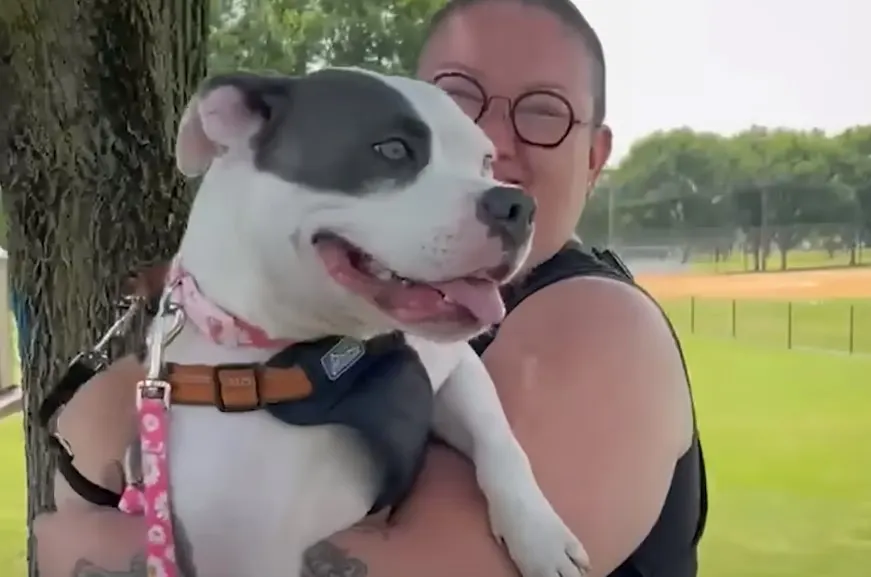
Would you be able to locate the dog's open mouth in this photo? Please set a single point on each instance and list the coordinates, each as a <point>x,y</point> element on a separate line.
<point>467,300</point>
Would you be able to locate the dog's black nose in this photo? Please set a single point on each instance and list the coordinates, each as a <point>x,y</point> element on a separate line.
<point>508,212</point>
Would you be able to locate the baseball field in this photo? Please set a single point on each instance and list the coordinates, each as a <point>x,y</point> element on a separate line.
<point>813,285</point>
<point>786,430</point>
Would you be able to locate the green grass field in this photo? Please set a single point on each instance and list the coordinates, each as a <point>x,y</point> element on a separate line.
<point>786,437</point>
<point>795,260</point>
<point>12,499</point>
<point>824,324</point>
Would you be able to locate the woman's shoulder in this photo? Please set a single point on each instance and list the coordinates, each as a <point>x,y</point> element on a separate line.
<point>583,307</point>
<point>599,342</point>
<point>577,283</point>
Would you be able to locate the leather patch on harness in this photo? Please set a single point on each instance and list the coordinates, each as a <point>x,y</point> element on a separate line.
<point>235,388</point>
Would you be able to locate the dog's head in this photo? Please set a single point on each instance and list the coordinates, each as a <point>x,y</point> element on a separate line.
<point>346,202</point>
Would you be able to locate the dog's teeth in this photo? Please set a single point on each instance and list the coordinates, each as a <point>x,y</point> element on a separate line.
<point>403,281</point>
<point>382,274</point>
<point>376,269</point>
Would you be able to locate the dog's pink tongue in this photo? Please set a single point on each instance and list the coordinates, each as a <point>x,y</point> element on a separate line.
<point>480,297</point>
<point>420,302</point>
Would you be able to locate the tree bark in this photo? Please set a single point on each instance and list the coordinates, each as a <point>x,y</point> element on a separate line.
<point>87,171</point>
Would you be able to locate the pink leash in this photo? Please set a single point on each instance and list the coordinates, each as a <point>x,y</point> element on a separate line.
<point>152,499</point>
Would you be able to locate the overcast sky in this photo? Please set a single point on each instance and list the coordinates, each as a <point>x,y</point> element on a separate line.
<point>724,65</point>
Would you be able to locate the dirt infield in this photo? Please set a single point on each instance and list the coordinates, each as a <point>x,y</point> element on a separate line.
<point>793,285</point>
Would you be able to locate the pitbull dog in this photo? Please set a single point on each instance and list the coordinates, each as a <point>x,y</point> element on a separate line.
<point>344,203</point>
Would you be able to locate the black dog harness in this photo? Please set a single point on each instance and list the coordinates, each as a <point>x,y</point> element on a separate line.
<point>378,388</point>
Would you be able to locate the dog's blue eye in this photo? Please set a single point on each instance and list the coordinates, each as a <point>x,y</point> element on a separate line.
<point>393,149</point>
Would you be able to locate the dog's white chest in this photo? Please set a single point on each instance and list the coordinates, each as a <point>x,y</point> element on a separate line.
<point>282,487</point>
<point>252,492</point>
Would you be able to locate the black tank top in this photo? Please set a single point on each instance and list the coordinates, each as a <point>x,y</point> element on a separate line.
<point>670,549</point>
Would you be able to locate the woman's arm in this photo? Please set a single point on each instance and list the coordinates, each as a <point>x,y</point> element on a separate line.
<point>441,531</point>
<point>99,423</point>
<point>80,539</point>
<point>602,433</point>
<point>594,388</point>
<point>602,405</point>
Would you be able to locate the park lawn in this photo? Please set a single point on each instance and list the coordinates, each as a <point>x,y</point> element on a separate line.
<point>786,440</point>
<point>795,260</point>
<point>820,324</point>
<point>13,504</point>
<point>12,499</point>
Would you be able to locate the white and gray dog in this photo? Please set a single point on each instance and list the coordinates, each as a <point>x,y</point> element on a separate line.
<point>344,203</point>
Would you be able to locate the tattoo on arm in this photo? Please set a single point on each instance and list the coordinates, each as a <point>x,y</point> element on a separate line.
<point>138,566</point>
<point>322,560</point>
<point>85,568</point>
<point>327,560</point>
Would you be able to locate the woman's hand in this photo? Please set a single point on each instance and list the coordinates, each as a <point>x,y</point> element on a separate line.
<point>442,531</point>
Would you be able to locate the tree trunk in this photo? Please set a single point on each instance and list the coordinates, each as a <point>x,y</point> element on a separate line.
<point>89,182</point>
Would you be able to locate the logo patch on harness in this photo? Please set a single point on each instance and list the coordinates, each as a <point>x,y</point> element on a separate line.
<point>342,356</point>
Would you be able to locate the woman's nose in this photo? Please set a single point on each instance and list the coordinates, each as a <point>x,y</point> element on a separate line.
<point>497,125</point>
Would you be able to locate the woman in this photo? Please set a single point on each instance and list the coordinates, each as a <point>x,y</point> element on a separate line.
<point>589,372</point>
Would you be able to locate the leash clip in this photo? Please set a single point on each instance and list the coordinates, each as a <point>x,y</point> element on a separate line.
<point>154,386</point>
<point>131,305</point>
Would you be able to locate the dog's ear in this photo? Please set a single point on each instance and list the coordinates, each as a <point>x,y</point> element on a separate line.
<point>223,116</point>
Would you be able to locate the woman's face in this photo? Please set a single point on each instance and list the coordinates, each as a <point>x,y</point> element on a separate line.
<point>511,49</point>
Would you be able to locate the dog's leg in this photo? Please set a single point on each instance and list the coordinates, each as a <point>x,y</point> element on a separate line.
<point>469,416</point>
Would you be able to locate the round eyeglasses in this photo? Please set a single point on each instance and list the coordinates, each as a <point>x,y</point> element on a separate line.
<point>540,118</point>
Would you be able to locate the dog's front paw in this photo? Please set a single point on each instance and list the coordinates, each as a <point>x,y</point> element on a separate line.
<point>538,541</point>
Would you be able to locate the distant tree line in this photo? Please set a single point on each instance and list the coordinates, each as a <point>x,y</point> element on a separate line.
<point>759,191</point>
